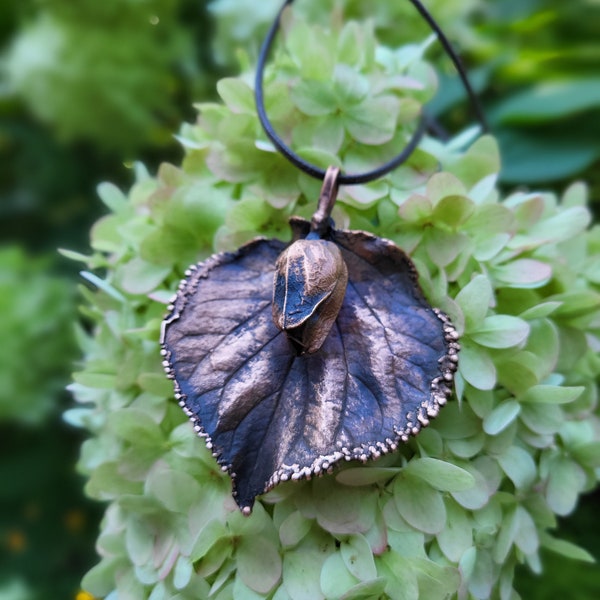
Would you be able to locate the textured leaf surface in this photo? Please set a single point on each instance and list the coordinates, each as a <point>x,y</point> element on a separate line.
<point>270,415</point>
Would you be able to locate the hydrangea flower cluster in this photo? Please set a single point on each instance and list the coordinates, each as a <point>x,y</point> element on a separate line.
<point>455,510</point>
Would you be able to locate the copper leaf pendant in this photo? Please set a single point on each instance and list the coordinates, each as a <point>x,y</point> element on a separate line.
<point>290,358</point>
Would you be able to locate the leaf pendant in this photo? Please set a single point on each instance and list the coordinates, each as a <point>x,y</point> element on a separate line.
<point>285,376</point>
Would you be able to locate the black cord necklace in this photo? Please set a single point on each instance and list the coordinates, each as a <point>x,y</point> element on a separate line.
<point>396,161</point>
<point>289,358</point>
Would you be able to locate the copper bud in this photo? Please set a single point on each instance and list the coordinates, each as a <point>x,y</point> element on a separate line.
<point>309,286</point>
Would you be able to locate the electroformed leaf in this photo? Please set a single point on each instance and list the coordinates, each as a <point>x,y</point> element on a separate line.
<point>270,415</point>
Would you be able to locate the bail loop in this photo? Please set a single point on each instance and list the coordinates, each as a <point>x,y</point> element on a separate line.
<point>320,219</point>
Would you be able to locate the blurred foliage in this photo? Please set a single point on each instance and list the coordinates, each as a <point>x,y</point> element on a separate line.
<point>40,327</point>
<point>109,72</point>
<point>545,87</point>
<point>46,527</point>
<point>42,512</point>
<point>470,498</point>
<point>241,24</point>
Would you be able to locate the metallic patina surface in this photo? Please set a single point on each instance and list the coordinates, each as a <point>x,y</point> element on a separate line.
<point>384,369</point>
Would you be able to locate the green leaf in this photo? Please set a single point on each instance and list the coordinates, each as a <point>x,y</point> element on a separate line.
<point>565,548</point>
<point>468,447</point>
<point>419,504</point>
<point>335,577</point>
<point>565,482</point>
<point>293,529</point>
<point>374,121</point>
<point>440,475</point>
<point>436,581</point>
<point>182,573</point>
<point>477,367</point>
<point>443,247</point>
<point>239,590</point>
<point>155,384</point>
<point>457,422</point>
<point>552,394</point>
<point>302,567</point>
<point>343,509</point>
<point>139,541</point>
<point>518,372</point>
<point>237,95</point>
<point>540,311</point>
<point>548,101</point>
<point>136,427</point>
<point>112,197</point>
<point>367,590</point>
<point>476,497</point>
<point>364,195</point>
<point>501,417</point>
<point>482,159</point>
<point>258,563</point>
<point>587,454</point>
<point>457,535</point>
<point>526,538</point>
<point>522,273</point>
<point>350,42</point>
<point>577,194</point>
<point>358,557</point>
<point>415,172</point>
<point>489,220</point>
<point>519,466</point>
<point>213,531</point>
<point>99,580</point>
<point>442,185</point>
<point>577,303</point>
<point>416,209</point>
<point>76,256</point>
<point>484,189</point>
<point>141,277</point>
<point>366,476</point>
<point>453,211</point>
<point>106,482</point>
<point>474,300</point>
<point>89,379</point>
<point>501,331</point>
<point>506,536</point>
<point>314,98</point>
<point>545,419</point>
<point>565,225</point>
<point>350,87</point>
<point>401,576</point>
<point>102,285</point>
<point>482,579</point>
<point>541,156</point>
<point>176,490</point>
<point>215,561</point>
<point>313,51</point>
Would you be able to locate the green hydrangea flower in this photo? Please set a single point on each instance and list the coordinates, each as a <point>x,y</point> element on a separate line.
<point>241,24</point>
<point>472,496</point>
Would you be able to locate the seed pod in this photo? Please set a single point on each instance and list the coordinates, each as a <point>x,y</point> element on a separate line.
<point>309,287</point>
